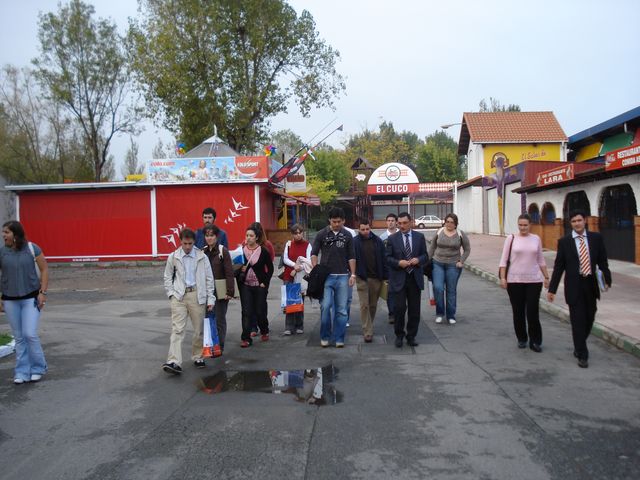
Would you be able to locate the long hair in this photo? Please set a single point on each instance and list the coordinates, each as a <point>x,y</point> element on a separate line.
<point>18,233</point>
<point>259,231</point>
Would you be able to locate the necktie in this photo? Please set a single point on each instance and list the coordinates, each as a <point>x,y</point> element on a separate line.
<point>585,264</point>
<point>407,251</point>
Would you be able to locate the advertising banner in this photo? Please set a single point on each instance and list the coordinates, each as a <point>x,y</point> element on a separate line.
<point>623,158</point>
<point>211,169</point>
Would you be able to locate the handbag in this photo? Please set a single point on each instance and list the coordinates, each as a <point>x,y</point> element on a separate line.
<point>506,269</point>
<point>221,288</point>
<point>384,290</point>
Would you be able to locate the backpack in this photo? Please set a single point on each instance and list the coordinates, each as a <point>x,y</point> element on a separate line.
<point>316,279</point>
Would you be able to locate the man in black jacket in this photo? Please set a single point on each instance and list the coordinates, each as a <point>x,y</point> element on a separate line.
<point>577,257</point>
<point>371,271</point>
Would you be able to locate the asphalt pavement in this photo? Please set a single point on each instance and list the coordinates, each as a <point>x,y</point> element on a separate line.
<point>465,404</point>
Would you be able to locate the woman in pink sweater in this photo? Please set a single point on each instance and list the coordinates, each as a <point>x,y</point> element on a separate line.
<point>522,273</point>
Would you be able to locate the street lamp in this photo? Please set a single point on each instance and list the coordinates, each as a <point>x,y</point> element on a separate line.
<point>447,125</point>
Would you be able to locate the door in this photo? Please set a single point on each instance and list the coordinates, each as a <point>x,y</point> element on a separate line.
<point>617,209</point>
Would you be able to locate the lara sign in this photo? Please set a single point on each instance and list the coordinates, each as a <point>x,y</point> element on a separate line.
<point>623,158</point>
<point>556,175</point>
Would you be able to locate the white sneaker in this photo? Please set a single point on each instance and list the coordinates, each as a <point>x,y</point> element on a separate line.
<point>286,332</point>
<point>324,343</point>
<point>348,324</point>
<point>299,331</point>
<point>18,381</point>
<point>35,377</point>
<point>452,321</point>
<point>438,319</point>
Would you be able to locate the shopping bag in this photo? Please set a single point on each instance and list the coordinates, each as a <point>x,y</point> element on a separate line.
<point>384,290</point>
<point>210,341</point>
<point>432,298</point>
<point>293,298</point>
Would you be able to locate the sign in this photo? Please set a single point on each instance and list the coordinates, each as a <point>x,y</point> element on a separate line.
<point>404,188</point>
<point>623,158</point>
<point>556,175</point>
<point>210,169</point>
<point>392,174</point>
<point>501,156</point>
<point>297,183</point>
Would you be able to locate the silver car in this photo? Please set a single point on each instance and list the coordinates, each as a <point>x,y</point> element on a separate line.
<point>427,221</point>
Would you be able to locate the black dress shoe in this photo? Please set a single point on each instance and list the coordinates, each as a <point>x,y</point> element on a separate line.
<point>583,363</point>
<point>399,342</point>
<point>535,347</point>
<point>522,344</point>
<point>411,342</point>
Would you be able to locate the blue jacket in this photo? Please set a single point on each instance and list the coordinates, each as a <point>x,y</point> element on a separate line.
<point>381,264</point>
<point>395,253</point>
<point>222,238</point>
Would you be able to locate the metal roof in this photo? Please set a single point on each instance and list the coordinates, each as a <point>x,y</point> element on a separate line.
<point>605,129</point>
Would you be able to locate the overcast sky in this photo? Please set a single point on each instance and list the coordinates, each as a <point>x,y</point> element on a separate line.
<point>422,63</point>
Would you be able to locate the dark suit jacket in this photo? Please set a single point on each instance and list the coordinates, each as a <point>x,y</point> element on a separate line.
<point>395,253</point>
<point>568,262</point>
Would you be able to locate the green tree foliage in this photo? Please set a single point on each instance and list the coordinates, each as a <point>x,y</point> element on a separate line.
<point>230,63</point>
<point>83,66</point>
<point>438,159</point>
<point>330,165</point>
<point>384,146</point>
<point>287,143</point>
<point>40,143</point>
<point>494,105</point>
<point>324,189</point>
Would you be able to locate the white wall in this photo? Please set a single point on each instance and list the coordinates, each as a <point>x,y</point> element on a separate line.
<point>475,160</point>
<point>593,190</point>
<point>469,209</point>
<point>512,209</point>
<point>494,225</point>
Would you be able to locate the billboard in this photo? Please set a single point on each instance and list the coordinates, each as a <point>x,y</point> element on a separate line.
<point>210,169</point>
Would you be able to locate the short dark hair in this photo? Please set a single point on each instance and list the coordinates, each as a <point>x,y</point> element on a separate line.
<point>575,213</point>
<point>391,215</point>
<point>336,212</point>
<point>208,211</point>
<point>212,230</point>
<point>187,233</point>
<point>296,227</point>
<point>525,216</point>
<point>17,229</point>
<point>404,214</point>
<point>453,217</point>
<point>364,221</point>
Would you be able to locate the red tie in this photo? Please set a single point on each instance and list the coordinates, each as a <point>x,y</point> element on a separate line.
<point>585,264</point>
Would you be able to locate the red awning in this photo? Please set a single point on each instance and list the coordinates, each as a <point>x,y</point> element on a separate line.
<point>280,192</point>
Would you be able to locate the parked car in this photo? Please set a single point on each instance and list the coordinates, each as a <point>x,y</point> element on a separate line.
<point>427,221</point>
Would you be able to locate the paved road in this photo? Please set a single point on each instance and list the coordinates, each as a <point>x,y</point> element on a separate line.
<point>465,404</point>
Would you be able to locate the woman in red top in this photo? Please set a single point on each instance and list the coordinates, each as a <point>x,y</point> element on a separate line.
<point>293,272</point>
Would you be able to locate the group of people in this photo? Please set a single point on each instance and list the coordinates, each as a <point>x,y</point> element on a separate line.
<point>200,279</point>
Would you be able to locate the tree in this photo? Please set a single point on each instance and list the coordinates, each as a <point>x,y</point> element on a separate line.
<point>330,165</point>
<point>287,143</point>
<point>324,189</point>
<point>384,146</point>
<point>230,63</point>
<point>82,65</point>
<point>40,143</point>
<point>132,165</point>
<point>495,106</point>
<point>438,159</point>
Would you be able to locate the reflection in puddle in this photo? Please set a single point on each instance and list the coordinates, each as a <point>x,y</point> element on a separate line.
<point>312,385</point>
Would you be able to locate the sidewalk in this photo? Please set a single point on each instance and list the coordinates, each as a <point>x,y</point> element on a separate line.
<point>618,317</point>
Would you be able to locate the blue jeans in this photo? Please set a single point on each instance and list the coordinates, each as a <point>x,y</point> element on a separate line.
<point>23,316</point>
<point>445,276</point>
<point>336,291</point>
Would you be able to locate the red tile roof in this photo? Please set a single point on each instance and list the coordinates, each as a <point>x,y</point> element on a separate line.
<point>513,127</point>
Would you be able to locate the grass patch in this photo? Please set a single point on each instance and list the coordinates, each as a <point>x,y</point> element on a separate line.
<point>5,338</point>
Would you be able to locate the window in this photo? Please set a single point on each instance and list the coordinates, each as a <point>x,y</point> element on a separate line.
<point>534,213</point>
<point>548,214</point>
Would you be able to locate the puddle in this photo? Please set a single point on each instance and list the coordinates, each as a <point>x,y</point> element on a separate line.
<point>312,385</point>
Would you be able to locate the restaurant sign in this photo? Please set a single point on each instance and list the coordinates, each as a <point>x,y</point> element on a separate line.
<point>623,158</point>
<point>556,175</point>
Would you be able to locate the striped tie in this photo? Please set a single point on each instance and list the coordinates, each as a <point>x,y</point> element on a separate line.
<point>407,251</point>
<point>585,264</point>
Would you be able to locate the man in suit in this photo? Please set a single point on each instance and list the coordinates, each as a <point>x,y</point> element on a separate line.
<point>577,256</point>
<point>406,256</point>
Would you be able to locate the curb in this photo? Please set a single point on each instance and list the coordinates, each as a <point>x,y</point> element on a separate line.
<point>617,339</point>
<point>115,264</point>
<point>8,349</point>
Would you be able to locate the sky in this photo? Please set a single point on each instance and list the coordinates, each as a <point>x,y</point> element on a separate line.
<point>421,63</point>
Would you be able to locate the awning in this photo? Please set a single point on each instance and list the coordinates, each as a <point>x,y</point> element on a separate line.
<point>589,152</point>
<point>280,192</point>
<point>616,142</point>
